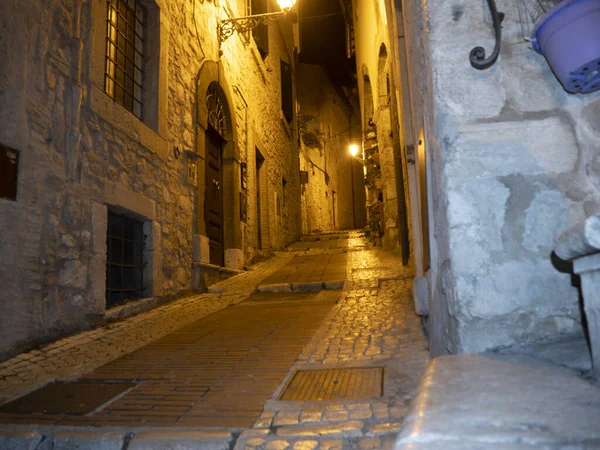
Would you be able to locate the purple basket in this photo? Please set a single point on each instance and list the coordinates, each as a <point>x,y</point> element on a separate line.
<point>569,37</point>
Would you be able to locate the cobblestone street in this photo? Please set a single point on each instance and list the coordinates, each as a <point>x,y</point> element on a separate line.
<point>222,360</point>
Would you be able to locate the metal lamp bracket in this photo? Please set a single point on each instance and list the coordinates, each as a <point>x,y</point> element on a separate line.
<point>477,56</point>
<point>227,27</point>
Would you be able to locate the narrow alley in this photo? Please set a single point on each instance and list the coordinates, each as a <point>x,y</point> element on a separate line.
<point>234,360</point>
<point>300,225</point>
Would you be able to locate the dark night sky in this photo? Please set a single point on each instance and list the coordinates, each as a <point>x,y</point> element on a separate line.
<point>324,40</point>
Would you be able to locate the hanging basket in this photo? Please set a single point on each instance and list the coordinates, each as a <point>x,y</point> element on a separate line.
<point>569,37</point>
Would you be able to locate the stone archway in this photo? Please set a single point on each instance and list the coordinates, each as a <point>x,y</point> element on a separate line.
<point>367,106</point>
<point>383,79</point>
<point>216,127</point>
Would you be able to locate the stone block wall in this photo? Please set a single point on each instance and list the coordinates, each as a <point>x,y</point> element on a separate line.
<point>81,153</point>
<point>511,162</point>
<point>327,198</point>
<point>378,82</point>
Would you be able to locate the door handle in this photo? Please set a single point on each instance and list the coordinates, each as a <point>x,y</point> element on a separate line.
<point>215,185</point>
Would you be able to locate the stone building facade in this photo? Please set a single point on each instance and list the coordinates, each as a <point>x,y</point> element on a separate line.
<point>332,192</point>
<point>511,160</point>
<point>384,144</point>
<point>145,154</point>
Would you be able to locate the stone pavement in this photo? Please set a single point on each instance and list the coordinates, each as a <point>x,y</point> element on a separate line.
<point>76,355</point>
<point>372,325</point>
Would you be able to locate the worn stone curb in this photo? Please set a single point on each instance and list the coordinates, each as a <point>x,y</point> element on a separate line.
<point>20,440</point>
<point>40,439</point>
<point>274,288</point>
<point>307,287</point>
<point>302,287</point>
<point>182,440</point>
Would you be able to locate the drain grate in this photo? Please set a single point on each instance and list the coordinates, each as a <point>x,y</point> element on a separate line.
<point>66,398</point>
<point>334,384</point>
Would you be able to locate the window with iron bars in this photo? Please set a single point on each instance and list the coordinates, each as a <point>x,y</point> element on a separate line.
<point>124,53</point>
<point>125,247</point>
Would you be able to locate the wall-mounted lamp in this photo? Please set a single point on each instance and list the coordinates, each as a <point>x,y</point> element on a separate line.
<point>353,149</point>
<point>227,27</point>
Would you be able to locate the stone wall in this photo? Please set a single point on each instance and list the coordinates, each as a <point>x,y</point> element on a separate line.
<point>387,198</point>
<point>512,161</point>
<point>80,153</point>
<point>327,126</point>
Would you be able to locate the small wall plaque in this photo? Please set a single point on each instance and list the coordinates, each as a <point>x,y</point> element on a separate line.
<point>9,172</point>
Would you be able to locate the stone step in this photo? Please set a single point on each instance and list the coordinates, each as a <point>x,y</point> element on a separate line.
<point>501,402</point>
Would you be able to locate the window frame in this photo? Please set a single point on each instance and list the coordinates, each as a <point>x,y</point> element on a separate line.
<point>119,34</point>
<point>133,263</point>
<point>260,34</point>
<point>155,89</point>
<point>287,95</point>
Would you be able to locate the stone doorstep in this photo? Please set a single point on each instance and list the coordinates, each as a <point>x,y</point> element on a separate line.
<point>134,308</point>
<point>106,439</point>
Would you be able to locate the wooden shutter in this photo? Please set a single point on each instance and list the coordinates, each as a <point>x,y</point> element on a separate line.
<point>287,97</point>
<point>261,32</point>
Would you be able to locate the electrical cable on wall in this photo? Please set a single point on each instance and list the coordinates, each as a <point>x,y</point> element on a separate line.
<point>197,32</point>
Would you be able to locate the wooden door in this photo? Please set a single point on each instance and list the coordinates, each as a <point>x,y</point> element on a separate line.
<point>424,208</point>
<point>259,162</point>
<point>213,196</point>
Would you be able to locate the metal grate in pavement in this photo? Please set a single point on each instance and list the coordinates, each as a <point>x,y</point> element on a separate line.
<point>334,384</point>
<point>66,398</point>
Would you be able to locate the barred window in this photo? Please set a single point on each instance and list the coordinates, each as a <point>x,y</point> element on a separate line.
<point>124,53</point>
<point>125,246</point>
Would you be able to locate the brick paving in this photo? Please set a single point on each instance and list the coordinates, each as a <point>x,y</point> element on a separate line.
<point>310,269</point>
<point>219,375</point>
<point>216,372</point>
<point>76,355</point>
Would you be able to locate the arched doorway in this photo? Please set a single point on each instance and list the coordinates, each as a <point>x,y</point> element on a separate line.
<point>216,140</point>
<point>218,229</point>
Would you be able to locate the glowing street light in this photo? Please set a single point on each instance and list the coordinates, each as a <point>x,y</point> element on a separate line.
<point>354,149</point>
<point>227,27</point>
<point>286,4</point>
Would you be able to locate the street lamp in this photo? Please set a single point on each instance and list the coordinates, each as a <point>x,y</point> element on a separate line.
<point>353,150</point>
<point>227,27</point>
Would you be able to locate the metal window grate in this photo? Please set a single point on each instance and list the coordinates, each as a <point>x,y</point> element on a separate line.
<point>9,168</point>
<point>124,53</point>
<point>124,259</point>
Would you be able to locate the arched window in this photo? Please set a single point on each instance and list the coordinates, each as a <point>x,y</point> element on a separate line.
<point>216,104</point>
<point>383,77</point>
